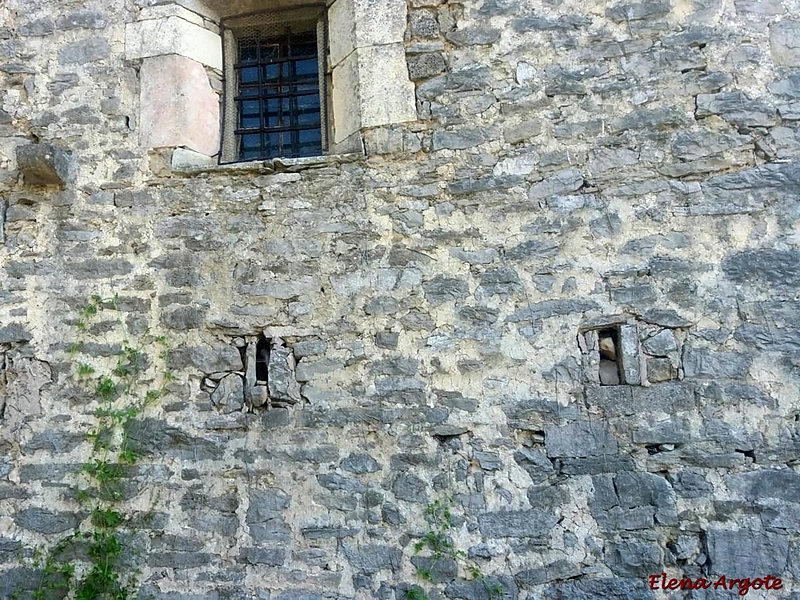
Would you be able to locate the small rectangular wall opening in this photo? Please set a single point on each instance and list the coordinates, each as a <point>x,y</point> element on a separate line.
<point>611,371</point>
<point>262,359</point>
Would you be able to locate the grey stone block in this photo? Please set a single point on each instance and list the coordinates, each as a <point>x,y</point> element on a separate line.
<point>46,164</point>
<point>736,552</point>
<point>781,484</point>
<point>775,268</point>
<point>84,51</point>
<point>701,362</point>
<point>151,436</point>
<point>563,182</point>
<point>641,11</point>
<point>272,557</point>
<point>788,87</point>
<point>14,333</point>
<point>581,439</point>
<point>535,463</point>
<point>444,289</point>
<point>634,558</point>
<point>783,42</point>
<point>600,589</point>
<point>425,66</point>
<point>651,119</point>
<point>474,36</point>
<point>517,523</point>
<point>488,588</point>
<point>37,27</point>
<point>441,570</point>
<point>387,339</point>
<point>736,108</point>
<point>373,558</point>
<point>318,533</point>
<point>559,570</point>
<point>228,396</point>
<point>207,359</point>
<point>281,379</point>
<point>690,484</point>
<point>410,488</point>
<point>336,482</point>
<point>360,464</point>
<point>83,19</point>
<point>457,140</point>
<point>661,344</point>
<point>45,521</point>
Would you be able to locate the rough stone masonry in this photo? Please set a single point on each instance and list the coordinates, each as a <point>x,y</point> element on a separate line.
<point>564,297</point>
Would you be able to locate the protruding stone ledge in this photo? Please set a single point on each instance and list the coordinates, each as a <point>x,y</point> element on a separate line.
<point>46,164</point>
<point>182,166</point>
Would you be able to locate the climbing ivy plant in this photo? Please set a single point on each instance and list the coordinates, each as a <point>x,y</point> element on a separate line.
<point>119,391</point>
<point>437,545</point>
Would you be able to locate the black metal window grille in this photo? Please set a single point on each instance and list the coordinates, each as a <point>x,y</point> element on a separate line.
<point>280,98</point>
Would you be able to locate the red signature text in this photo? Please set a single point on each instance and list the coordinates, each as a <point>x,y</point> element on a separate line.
<point>659,581</point>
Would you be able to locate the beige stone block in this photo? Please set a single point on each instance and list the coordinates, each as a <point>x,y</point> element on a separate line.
<point>345,99</point>
<point>360,23</point>
<point>177,105</point>
<point>173,35</point>
<point>386,93</point>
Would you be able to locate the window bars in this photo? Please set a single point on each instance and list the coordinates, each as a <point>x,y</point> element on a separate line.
<point>275,85</point>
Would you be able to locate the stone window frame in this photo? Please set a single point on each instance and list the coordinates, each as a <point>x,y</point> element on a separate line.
<point>230,111</point>
<point>370,88</point>
<point>637,348</point>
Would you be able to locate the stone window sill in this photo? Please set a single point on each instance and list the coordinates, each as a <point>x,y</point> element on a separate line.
<point>196,166</point>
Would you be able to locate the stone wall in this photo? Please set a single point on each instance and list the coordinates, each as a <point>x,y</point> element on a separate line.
<point>564,299</point>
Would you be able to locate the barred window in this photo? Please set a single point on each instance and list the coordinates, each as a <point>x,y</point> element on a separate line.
<point>275,85</point>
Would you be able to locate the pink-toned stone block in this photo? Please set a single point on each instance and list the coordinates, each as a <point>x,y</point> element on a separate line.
<point>177,105</point>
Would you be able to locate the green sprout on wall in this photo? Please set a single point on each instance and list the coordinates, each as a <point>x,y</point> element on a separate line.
<point>437,545</point>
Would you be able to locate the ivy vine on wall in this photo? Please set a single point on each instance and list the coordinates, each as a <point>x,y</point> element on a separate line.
<point>95,561</point>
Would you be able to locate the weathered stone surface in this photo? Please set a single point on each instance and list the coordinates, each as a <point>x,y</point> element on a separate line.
<point>563,182</point>
<point>178,106</point>
<point>600,589</point>
<point>477,589</point>
<point>517,523</point>
<point>742,551</point>
<point>373,558</point>
<point>443,289</point>
<point>207,359</point>
<point>737,109</point>
<point>360,463</point>
<point>281,380</point>
<point>424,66</point>
<point>153,437</point>
<point>782,484</point>
<point>409,487</point>
<point>700,362</point>
<point>228,396</point>
<point>14,332</point>
<point>46,164</point>
<point>45,521</point>
<point>783,42</point>
<point>580,439</point>
<point>769,267</point>
<point>634,558</point>
<point>84,51</point>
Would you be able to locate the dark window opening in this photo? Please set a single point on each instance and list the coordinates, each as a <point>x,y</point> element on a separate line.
<point>278,83</point>
<point>262,359</point>
<point>611,372</point>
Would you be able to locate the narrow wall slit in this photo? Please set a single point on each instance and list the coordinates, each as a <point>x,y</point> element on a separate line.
<point>262,360</point>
